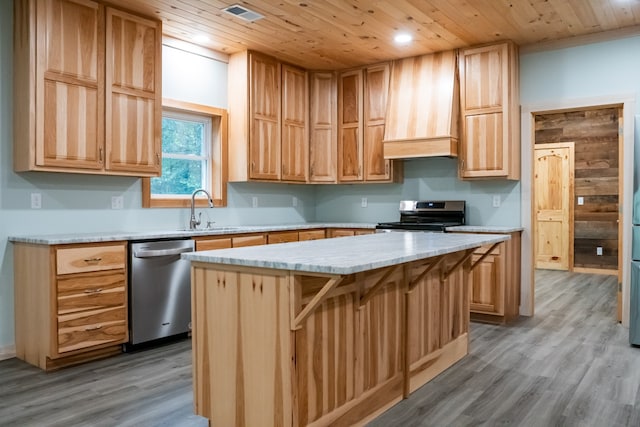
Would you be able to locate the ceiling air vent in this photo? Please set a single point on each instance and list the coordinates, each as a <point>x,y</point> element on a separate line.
<point>243,13</point>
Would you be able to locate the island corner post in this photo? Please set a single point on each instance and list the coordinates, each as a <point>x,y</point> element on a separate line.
<point>278,347</point>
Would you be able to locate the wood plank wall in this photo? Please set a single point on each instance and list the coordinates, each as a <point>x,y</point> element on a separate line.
<point>595,133</point>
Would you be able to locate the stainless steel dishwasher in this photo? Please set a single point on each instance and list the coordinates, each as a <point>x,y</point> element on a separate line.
<point>159,289</point>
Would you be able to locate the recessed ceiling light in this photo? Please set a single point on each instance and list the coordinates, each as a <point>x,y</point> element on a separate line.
<point>403,38</point>
<point>200,38</point>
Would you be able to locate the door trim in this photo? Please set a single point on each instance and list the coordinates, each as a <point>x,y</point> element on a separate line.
<point>626,136</point>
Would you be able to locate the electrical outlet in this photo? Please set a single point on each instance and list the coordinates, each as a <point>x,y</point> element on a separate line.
<point>599,250</point>
<point>294,201</point>
<point>254,201</point>
<point>580,201</point>
<point>496,201</point>
<point>36,200</point>
<point>364,202</point>
<point>117,202</point>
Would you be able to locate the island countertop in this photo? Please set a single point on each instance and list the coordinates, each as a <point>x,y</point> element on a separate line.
<point>347,255</point>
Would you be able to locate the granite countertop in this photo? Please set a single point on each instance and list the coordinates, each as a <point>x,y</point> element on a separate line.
<point>483,229</point>
<point>347,255</point>
<point>111,236</point>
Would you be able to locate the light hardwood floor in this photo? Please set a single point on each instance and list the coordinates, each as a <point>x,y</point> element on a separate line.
<point>570,365</point>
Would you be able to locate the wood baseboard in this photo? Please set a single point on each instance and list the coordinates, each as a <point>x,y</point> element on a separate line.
<point>595,271</point>
<point>7,352</point>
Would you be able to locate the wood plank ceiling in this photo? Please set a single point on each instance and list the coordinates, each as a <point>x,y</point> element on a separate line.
<point>337,34</point>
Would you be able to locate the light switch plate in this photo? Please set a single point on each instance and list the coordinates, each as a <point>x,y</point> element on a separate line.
<point>580,201</point>
<point>254,201</point>
<point>294,201</point>
<point>496,200</point>
<point>599,250</point>
<point>364,202</point>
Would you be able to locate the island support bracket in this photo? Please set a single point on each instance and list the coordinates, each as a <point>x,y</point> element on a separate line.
<point>484,255</point>
<point>379,284</point>
<point>315,302</point>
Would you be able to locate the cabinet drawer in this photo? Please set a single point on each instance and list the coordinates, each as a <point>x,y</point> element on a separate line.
<point>92,328</point>
<point>90,292</point>
<point>283,237</point>
<point>311,235</point>
<point>210,244</point>
<point>249,240</point>
<point>90,258</point>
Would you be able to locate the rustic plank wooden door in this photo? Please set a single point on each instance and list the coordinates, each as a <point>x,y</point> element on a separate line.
<point>553,210</point>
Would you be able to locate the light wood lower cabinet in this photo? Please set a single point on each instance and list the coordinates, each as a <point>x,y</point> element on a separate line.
<point>282,237</point>
<point>494,285</point>
<point>230,241</point>
<point>340,359</point>
<point>346,232</point>
<point>311,234</point>
<point>70,302</point>
<point>237,240</point>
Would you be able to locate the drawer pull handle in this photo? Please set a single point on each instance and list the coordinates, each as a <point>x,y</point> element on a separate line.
<point>93,328</point>
<point>94,260</point>
<point>93,291</point>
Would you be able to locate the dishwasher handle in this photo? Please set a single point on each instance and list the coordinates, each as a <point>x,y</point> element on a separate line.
<point>154,253</point>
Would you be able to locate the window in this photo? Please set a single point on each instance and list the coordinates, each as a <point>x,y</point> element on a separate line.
<point>193,149</point>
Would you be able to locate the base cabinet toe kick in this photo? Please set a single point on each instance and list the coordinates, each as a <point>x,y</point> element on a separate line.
<point>291,348</point>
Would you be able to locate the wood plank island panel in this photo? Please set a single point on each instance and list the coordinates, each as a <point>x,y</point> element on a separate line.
<point>596,138</point>
<point>373,337</point>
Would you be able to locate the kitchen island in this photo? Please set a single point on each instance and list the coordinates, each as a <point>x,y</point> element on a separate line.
<point>327,331</point>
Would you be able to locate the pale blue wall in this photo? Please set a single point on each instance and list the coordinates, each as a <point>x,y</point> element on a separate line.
<point>432,178</point>
<point>598,69</point>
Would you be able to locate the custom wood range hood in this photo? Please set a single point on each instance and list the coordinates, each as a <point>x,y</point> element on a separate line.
<point>423,108</point>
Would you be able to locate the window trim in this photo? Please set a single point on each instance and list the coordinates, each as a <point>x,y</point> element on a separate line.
<point>218,155</point>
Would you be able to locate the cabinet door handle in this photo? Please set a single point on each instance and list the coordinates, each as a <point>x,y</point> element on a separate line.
<point>93,291</point>
<point>93,260</point>
<point>158,159</point>
<point>93,328</point>
<point>101,155</point>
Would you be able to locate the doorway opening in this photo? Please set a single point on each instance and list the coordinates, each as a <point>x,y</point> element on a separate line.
<point>577,190</point>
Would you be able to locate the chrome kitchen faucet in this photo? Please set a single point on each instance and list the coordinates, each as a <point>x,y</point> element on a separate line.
<point>193,222</point>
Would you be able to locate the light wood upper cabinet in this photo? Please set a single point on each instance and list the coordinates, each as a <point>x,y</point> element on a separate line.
<point>61,74</point>
<point>490,143</point>
<point>268,120</point>
<point>69,83</point>
<point>362,103</point>
<point>133,98</point>
<point>350,142</point>
<point>264,110</point>
<point>376,88</point>
<point>295,108</point>
<point>323,116</point>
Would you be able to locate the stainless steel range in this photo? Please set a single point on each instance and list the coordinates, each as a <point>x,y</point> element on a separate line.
<point>427,215</point>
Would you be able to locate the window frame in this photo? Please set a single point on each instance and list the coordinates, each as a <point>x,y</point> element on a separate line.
<point>218,171</point>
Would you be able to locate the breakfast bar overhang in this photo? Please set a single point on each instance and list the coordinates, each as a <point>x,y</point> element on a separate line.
<point>331,331</point>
